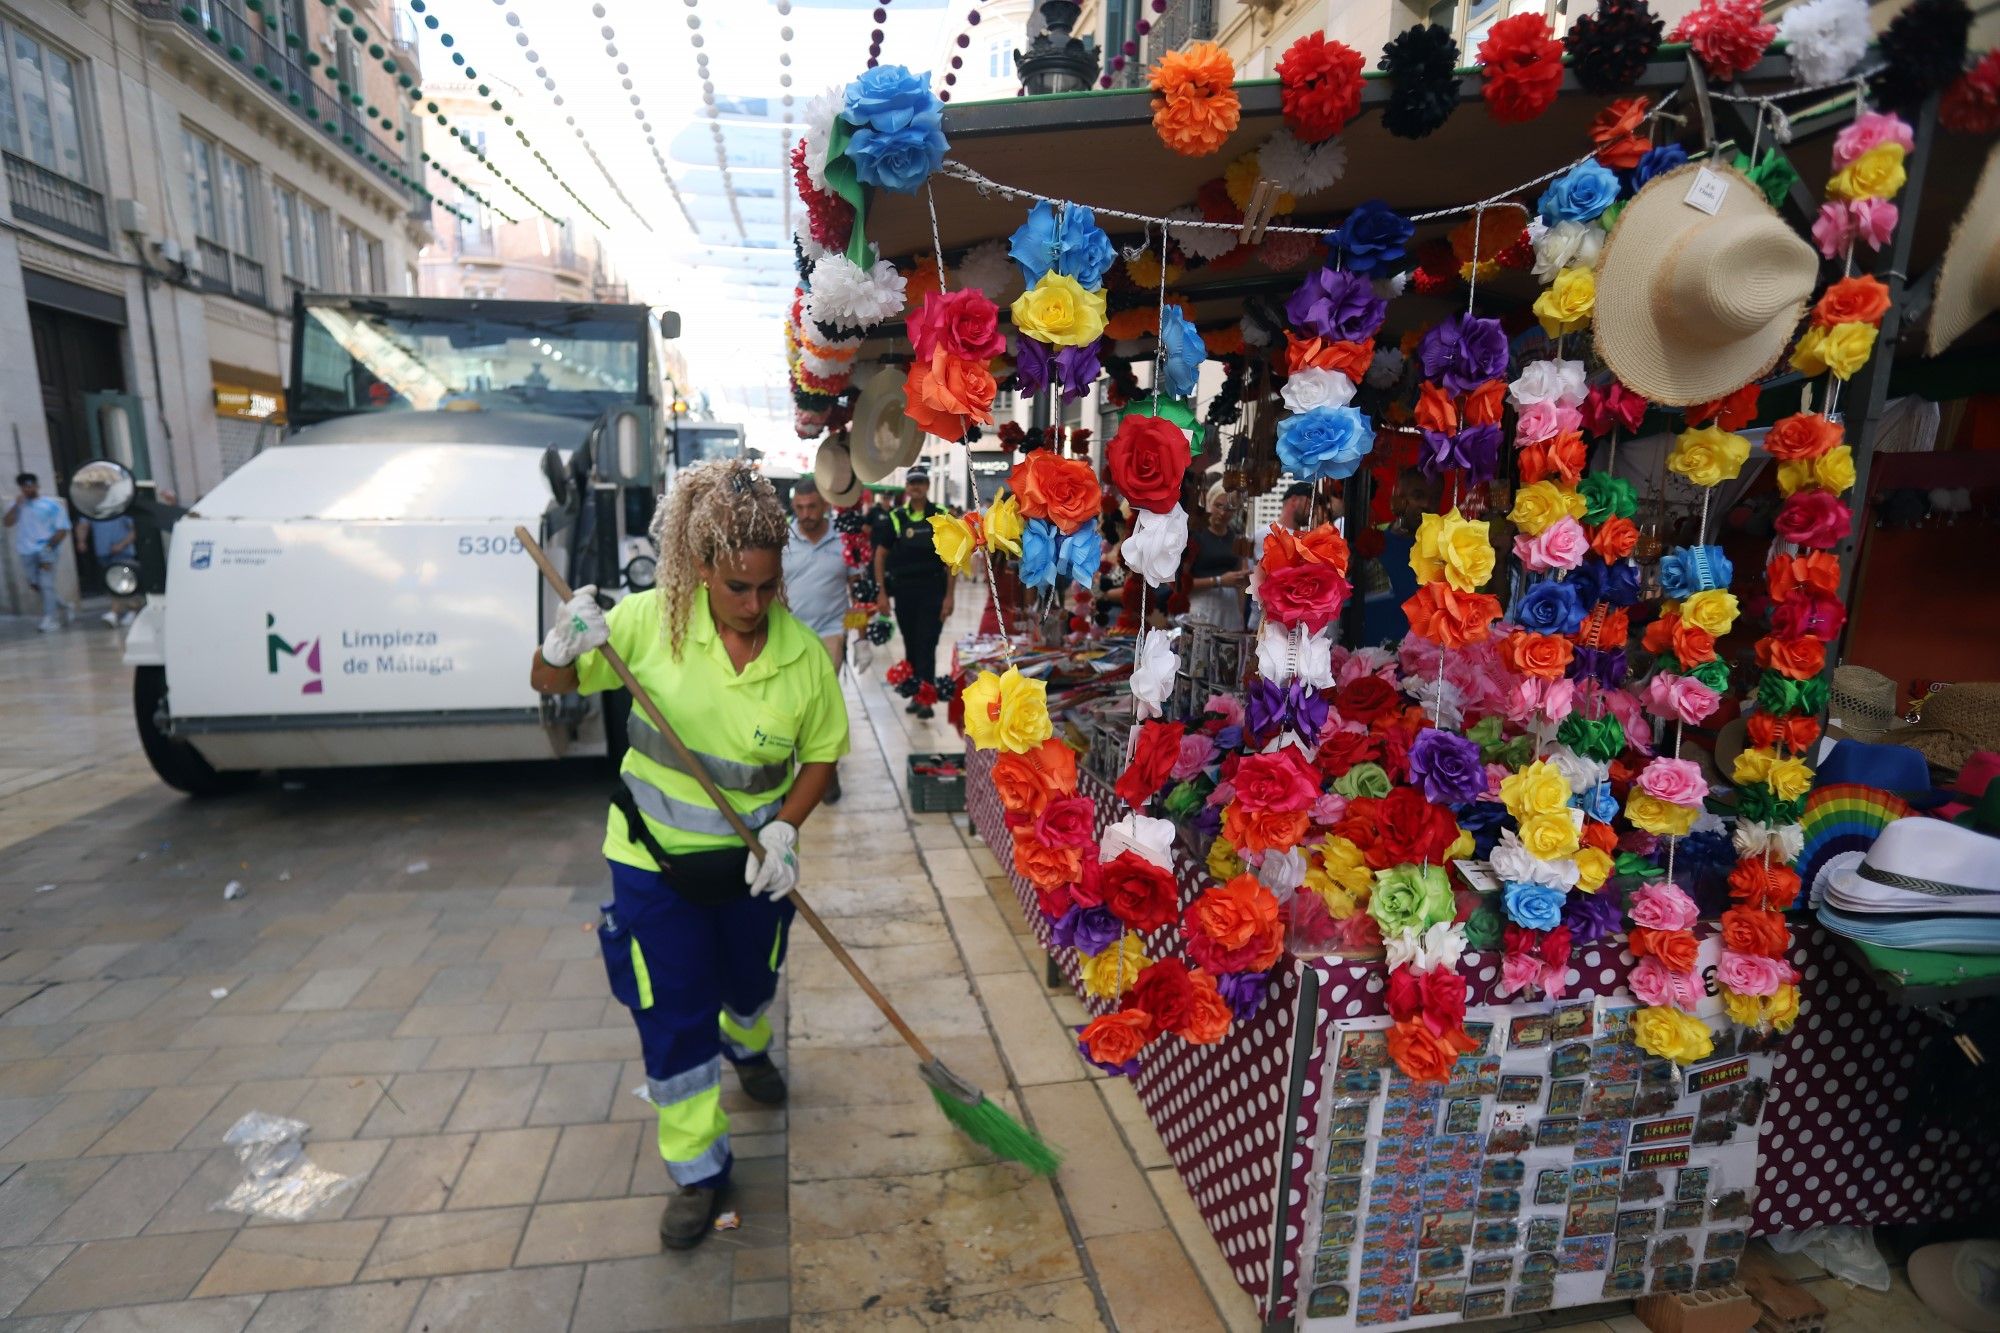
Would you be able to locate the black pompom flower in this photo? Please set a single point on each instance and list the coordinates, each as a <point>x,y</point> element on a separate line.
<point>1424,87</point>
<point>1925,50</point>
<point>1609,49</point>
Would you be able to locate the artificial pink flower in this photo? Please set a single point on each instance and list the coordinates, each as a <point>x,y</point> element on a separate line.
<point>1681,699</point>
<point>1561,545</point>
<point>1752,974</point>
<point>1871,129</point>
<point>1874,220</point>
<point>1662,907</point>
<point>1833,229</point>
<point>1676,781</point>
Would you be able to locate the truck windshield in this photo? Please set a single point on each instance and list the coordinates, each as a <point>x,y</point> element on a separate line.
<point>568,363</point>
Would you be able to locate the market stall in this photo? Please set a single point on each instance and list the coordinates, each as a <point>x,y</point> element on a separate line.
<point>1462,976</point>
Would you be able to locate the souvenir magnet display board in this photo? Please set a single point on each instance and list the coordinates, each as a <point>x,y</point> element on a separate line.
<point>1559,1166</point>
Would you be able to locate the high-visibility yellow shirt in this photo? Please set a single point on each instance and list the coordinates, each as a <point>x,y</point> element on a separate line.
<point>752,729</point>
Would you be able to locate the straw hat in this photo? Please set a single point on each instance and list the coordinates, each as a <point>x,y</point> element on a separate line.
<point>1860,703</point>
<point>1968,280</point>
<point>1693,305</point>
<point>1958,721</point>
<point>883,438</point>
<point>833,473</point>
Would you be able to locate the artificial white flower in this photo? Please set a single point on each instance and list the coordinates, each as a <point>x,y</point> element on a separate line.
<point>1560,382</point>
<point>1282,873</point>
<point>826,365</point>
<point>802,233</point>
<point>1440,946</point>
<point>847,296</point>
<point>1317,387</point>
<point>1199,242</point>
<point>1153,670</point>
<point>818,119</point>
<point>1824,38</point>
<point>1707,822</point>
<point>1580,772</point>
<point>1781,842</point>
<point>1153,551</point>
<point>1284,655</point>
<point>1300,168</point>
<point>1567,245</point>
<point>1391,287</point>
<point>1385,369</point>
<point>1152,839</point>
<point>1441,700</point>
<point>1515,864</point>
<point>987,267</point>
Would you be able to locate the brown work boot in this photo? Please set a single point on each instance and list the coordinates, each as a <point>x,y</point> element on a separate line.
<point>762,1082</point>
<point>690,1211</point>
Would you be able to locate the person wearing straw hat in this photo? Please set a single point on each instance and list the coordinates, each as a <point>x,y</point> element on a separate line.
<point>695,931</point>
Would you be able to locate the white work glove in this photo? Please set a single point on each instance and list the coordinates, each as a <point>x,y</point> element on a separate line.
<point>579,628</point>
<point>778,873</point>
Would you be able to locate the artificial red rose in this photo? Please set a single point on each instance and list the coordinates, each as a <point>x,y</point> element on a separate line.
<point>1816,519</point>
<point>1522,64</point>
<point>1411,831</point>
<point>1263,830</point>
<point>1405,996</point>
<point>1153,757</point>
<point>1519,939</point>
<point>1972,104</point>
<point>1752,930</point>
<point>1755,884</point>
<point>964,324</point>
<point>1149,457</point>
<point>1856,300</point>
<point>1070,821</point>
<point>1731,412</point>
<point>1443,1000</point>
<point>1055,902</point>
<point>1139,893</point>
<point>1320,87</point>
<point>1800,614</point>
<point>1397,735</point>
<point>1166,991</point>
<point>1281,780</point>
<point>1555,947</point>
<point>1484,405</point>
<point>1726,35</point>
<point>1041,865</point>
<point>1344,749</point>
<point>1309,595</point>
<point>1209,1015</point>
<point>1366,698</point>
<point>1615,131</point>
<point>1799,659</point>
<point>1115,1039</point>
<point>1801,436</point>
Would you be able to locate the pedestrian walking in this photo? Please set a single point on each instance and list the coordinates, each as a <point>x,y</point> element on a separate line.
<point>816,580</point>
<point>695,932</point>
<point>40,523</point>
<point>918,585</point>
<point>1217,574</point>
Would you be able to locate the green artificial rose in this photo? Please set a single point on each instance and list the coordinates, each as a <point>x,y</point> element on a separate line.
<point>1411,898</point>
<point>1364,779</point>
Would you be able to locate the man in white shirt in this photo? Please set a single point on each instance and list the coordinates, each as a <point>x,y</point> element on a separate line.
<point>40,524</point>
<point>816,578</point>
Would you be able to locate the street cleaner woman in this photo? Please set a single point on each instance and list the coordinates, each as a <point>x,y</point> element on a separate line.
<point>695,930</point>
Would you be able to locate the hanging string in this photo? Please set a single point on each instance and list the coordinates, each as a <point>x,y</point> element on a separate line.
<point>937,246</point>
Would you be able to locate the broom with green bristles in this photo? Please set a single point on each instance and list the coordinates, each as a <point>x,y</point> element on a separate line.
<point>977,1115</point>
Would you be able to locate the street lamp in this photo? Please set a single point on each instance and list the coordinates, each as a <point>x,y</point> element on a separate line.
<point>1056,61</point>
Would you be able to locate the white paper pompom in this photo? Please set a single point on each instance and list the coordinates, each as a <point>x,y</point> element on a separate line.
<point>1200,242</point>
<point>819,116</point>
<point>1299,168</point>
<point>1825,38</point>
<point>802,233</point>
<point>845,295</point>
<point>987,267</point>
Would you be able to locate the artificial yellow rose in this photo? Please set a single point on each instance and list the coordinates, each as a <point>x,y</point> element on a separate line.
<point>1743,1010</point>
<point>952,540</point>
<point>1058,311</point>
<point>1806,353</point>
<point>1549,837</point>
<point>1846,347</point>
<point>1713,610</point>
<point>1345,865</point>
<point>1876,174</point>
<point>1004,525</point>
<point>1427,549</point>
<point>1709,456</point>
<point>1023,721</point>
<point>1790,779</point>
<point>1782,1009</point>
<point>1544,503</point>
<point>1593,867</point>
<point>981,700</point>
<point>1831,471</point>
<point>1454,548</point>
<point>1661,818</point>
<point>1752,765</point>
<point>1223,863</point>
<point>1462,846</point>
<point>1672,1035</point>
<point>1537,789</point>
<point>1110,973</point>
<point>1567,304</point>
<point>1341,902</point>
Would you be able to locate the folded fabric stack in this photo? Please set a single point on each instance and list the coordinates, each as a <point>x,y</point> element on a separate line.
<point>1925,884</point>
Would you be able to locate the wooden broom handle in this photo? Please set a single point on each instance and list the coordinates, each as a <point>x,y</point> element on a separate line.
<point>692,765</point>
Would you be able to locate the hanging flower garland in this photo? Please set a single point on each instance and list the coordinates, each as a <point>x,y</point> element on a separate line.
<point>1521,62</point>
<point>1063,257</point>
<point>1319,87</point>
<point>1825,39</point>
<point>1868,157</point>
<point>1196,108</point>
<point>1728,36</point>
<point>1972,104</point>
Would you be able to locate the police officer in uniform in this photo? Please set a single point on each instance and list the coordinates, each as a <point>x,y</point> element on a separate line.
<point>918,584</point>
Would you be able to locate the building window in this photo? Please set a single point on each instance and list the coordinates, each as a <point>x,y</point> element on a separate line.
<point>999,58</point>
<point>312,244</point>
<point>40,105</point>
<point>378,276</point>
<point>1468,21</point>
<point>343,258</point>
<point>301,240</point>
<point>222,196</point>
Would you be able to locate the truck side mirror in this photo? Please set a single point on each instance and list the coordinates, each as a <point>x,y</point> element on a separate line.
<point>669,322</point>
<point>624,448</point>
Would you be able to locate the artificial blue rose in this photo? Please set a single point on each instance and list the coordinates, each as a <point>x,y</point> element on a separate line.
<point>1687,570</point>
<point>1038,553</point>
<point>1325,442</point>
<point>1080,553</point>
<point>1181,346</point>
<point>1549,607</point>
<point>898,133</point>
<point>1070,242</point>
<point>1658,162</point>
<point>1599,803</point>
<point>1372,240</point>
<point>1533,906</point>
<point>1579,194</point>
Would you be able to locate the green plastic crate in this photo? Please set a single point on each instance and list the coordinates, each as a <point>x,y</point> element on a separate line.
<point>934,793</point>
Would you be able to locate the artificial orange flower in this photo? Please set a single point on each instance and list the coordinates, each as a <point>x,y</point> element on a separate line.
<point>1561,459</point>
<point>1857,300</point>
<point>1317,546</point>
<point>1020,785</point>
<point>1209,1014</point>
<point>1197,108</point>
<point>1615,131</point>
<point>1614,538</point>
<point>1659,636</point>
<point>920,404</point>
<point>1792,734</point>
<point>1263,830</point>
<point>1732,411</point>
<point>959,385</point>
<point>1543,656</point>
<point>1044,866</point>
<point>1435,409</point>
<point>1600,835</point>
<point>1448,617</point>
<point>1693,645</point>
<point>1775,886</point>
<point>1483,406</point>
<point>1817,572</point>
<point>1802,435</point>
<point>1349,358</point>
<point>1063,490</point>
<point>1800,659</point>
<point>1675,948</point>
<point>1223,342</point>
<point>1115,1038</point>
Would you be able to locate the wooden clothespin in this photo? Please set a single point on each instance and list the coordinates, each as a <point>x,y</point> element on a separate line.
<point>1257,213</point>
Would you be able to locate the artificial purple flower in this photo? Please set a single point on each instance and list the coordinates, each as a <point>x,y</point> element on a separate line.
<point>1077,368</point>
<point>1600,664</point>
<point>1229,738</point>
<point>1475,450</point>
<point>1447,767</point>
<point>1593,916</point>
<point>1463,352</point>
<point>1337,305</point>
<point>1245,991</point>
<point>1271,707</point>
<point>1089,930</point>
<point>1207,821</point>
<point>1129,1069</point>
<point>1031,365</point>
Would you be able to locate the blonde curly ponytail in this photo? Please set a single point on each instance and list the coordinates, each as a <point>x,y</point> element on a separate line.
<point>715,508</point>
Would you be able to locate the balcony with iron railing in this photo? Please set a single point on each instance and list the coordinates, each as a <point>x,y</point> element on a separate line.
<point>218,269</point>
<point>255,53</point>
<point>56,203</point>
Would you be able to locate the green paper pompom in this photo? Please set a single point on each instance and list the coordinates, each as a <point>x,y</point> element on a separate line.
<point>213,34</point>
<point>189,14</point>
<point>236,53</point>
<point>344,14</point>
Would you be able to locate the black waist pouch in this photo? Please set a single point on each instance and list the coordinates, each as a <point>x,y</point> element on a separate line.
<point>707,879</point>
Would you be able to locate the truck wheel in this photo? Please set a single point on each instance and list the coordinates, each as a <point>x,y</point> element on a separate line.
<point>617,720</point>
<point>179,764</point>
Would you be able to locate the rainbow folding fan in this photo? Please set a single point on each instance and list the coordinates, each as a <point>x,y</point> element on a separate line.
<point>1839,825</point>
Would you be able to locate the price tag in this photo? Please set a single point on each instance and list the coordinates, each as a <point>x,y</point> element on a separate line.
<point>1707,191</point>
<point>1479,875</point>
